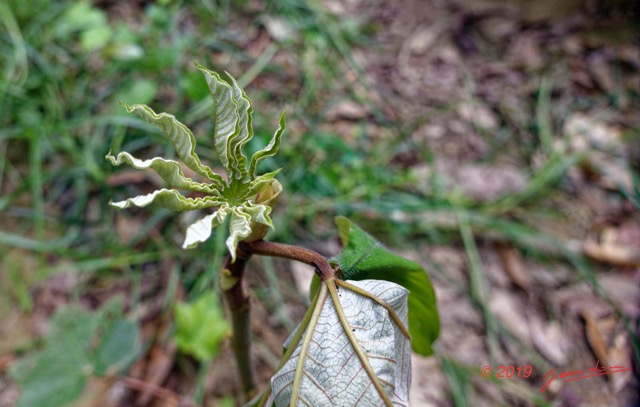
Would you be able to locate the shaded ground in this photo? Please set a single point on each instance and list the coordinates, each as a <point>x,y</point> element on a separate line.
<point>495,143</point>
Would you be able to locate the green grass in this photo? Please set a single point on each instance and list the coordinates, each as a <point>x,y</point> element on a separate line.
<point>66,66</point>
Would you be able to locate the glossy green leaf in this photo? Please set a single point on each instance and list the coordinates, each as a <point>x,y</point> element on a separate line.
<point>201,327</point>
<point>200,230</point>
<point>244,129</point>
<point>180,136</point>
<point>363,257</point>
<point>53,378</point>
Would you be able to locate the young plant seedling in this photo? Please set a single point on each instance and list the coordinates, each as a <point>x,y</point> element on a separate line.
<point>370,307</point>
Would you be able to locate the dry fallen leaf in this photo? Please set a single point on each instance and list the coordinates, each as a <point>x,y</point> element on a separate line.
<point>514,266</point>
<point>612,253</point>
<point>485,183</point>
<point>595,338</point>
<point>346,110</point>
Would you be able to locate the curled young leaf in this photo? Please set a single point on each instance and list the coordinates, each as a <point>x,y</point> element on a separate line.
<point>245,196</point>
<point>181,137</point>
<point>170,199</point>
<point>232,112</point>
<point>169,170</point>
<point>270,150</point>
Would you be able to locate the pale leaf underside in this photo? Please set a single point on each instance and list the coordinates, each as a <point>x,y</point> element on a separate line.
<point>232,113</point>
<point>333,373</point>
<point>239,225</point>
<point>270,150</point>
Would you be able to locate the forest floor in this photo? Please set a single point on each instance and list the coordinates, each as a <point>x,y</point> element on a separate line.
<point>496,143</point>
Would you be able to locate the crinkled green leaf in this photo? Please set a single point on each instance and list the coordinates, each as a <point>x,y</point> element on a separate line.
<point>169,170</point>
<point>201,230</point>
<point>240,223</point>
<point>231,119</point>
<point>200,327</point>
<point>330,357</point>
<point>244,129</point>
<point>270,150</point>
<point>259,183</point>
<point>363,257</point>
<point>170,199</point>
<point>257,213</point>
<point>181,137</point>
<point>78,345</point>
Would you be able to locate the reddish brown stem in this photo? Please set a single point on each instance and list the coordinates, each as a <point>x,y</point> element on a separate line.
<point>265,248</point>
<point>240,306</point>
<point>238,299</point>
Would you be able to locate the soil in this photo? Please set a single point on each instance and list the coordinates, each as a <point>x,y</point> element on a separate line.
<point>456,74</point>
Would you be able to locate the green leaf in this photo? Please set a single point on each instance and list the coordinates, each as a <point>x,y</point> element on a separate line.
<point>169,170</point>
<point>53,378</point>
<point>232,120</point>
<point>259,184</point>
<point>181,137</point>
<point>200,230</point>
<point>78,345</point>
<point>200,327</point>
<point>240,223</point>
<point>363,257</point>
<point>349,350</point>
<point>270,150</point>
<point>245,196</point>
<point>170,199</point>
<point>119,341</point>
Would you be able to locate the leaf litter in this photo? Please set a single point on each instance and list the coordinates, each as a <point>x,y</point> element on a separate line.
<point>494,54</point>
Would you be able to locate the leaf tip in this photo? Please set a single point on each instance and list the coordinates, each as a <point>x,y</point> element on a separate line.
<point>344,228</point>
<point>117,205</point>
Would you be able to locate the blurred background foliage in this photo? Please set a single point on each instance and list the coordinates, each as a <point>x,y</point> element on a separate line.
<point>349,149</point>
